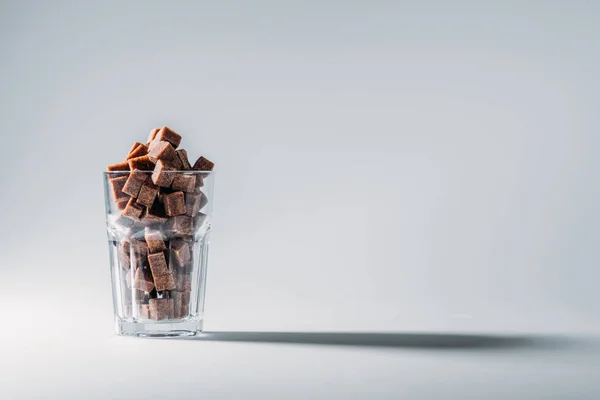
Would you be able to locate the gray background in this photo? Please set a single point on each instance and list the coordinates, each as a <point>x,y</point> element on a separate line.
<point>382,166</point>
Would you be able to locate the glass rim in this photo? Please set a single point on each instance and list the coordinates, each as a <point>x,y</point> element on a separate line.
<point>188,171</point>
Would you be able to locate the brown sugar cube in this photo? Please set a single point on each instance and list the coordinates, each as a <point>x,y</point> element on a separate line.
<point>168,135</point>
<point>139,295</point>
<point>183,282</point>
<point>148,192</point>
<point>158,265</point>
<point>181,251</point>
<point>174,204</point>
<point>161,309</point>
<point>176,163</point>
<point>203,164</point>
<point>139,150</point>
<point>132,210</point>
<point>181,303</point>
<point>155,241</point>
<point>122,204</point>
<point>199,183</point>
<point>165,282</point>
<point>143,280</point>
<point>123,255</point>
<point>139,247</point>
<point>162,175</point>
<point>139,260</point>
<point>182,225</point>
<point>152,134</point>
<point>185,161</point>
<point>116,186</point>
<point>142,163</point>
<point>183,182</point>
<point>124,166</point>
<point>144,311</point>
<point>192,203</point>
<point>160,150</point>
<point>203,201</point>
<point>134,146</point>
<point>155,215</point>
<point>134,183</point>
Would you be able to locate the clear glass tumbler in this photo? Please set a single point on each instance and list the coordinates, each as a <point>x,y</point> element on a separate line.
<point>158,244</point>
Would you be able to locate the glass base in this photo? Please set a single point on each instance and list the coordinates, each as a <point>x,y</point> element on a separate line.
<point>191,327</point>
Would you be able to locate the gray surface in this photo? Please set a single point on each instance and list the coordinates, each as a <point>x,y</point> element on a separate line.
<point>382,166</point>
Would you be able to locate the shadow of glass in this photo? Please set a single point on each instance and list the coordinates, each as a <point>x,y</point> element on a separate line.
<point>439,341</point>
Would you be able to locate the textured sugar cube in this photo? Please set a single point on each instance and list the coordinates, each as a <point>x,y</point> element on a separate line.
<point>122,204</point>
<point>147,193</point>
<point>138,151</point>
<point>199,183</point>
<point>152,135</point>
<point>140,296</point>
<point>168,135</point>
<point>124,166</point>
<point>181,303</point>
<point>160,150</point>
<point>192,203</point>
<point>132,210</point>
<point>183,157</point>
<point>134,183</point>
<point>116,186</point>
<point>183,182</point>
<point>203,201</point>
<point>176,163</point>
<point>139,247</point>
<point>142,163</point>
<point>162,175</point>
<point>174,204</point>
<point>203,164</point>
<point>161,309</point>
<point>158,265</point>
<point>134,146</point>
<point>183,282</point>
<point>165,282</point>
<point>123,255</point>
<point>180,250</point>
<point>182,225</point>
<point>155,241</point>
<point>144,311</point>
<point>143,280</point>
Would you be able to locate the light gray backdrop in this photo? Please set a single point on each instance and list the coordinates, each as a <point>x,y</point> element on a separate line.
<point>418,165</point>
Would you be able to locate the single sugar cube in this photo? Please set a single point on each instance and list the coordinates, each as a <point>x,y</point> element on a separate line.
<point>158,265</point>
<point>165,282</point>
<point>134,183</point>
<point>162,175</point>
<point>155,241</point>
<point>181,251</point>
<point>148,192</point>
<point>183,157</point>
<point>116,186</point>
<point>169,135</point>
<point>161,151</point>
<point>183,182</point>
<point>174,204</point>
<point>161,309</point>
